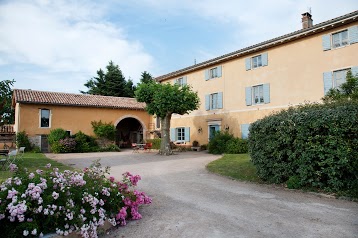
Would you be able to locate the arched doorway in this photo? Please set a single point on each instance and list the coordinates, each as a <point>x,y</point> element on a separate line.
<point>129,130</point>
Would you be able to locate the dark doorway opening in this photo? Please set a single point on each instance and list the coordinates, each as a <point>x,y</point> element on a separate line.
<point>129,130</point>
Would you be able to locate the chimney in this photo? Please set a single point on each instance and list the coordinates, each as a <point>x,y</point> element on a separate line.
<point>307,21</point>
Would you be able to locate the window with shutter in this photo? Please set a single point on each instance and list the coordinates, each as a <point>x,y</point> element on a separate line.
<point>256,61</point>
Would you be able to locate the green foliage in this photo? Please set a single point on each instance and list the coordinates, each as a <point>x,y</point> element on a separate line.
<point>146,77</point>
<point>104,130</point>
<point>293,182</point>
<point>236,146</point>
<point>109,148</point>
<point>56,135</point>
<point>85,143</point>
<point>22,140</point>
<point>7,113</point>
<point>165,99</point>
<point>315,142</point>
<point>111,83</point>
<point>347,90</point>
<point>217,144</point>
<point>155,143</point>
<point>204,147</point>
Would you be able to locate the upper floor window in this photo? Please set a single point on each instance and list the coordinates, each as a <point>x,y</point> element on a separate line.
<point>258,94</point>
<point>340,39</point>
<point>181,81</point>
<point>256,61</point>
<point>213,73</point>
<point>214,101</point>
<point>334,79</point>
<point>45,118</point>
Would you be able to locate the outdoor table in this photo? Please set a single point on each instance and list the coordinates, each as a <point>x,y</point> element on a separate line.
<point>4,151</point>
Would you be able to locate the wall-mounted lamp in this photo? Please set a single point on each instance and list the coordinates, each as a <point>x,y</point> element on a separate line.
<point>200,130</point>
<point>226,127</point>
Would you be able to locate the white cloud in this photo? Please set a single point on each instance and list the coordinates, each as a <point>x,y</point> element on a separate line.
<point>62,36</point>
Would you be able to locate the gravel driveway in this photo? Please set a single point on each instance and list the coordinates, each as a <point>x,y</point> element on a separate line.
<point>188,201</point>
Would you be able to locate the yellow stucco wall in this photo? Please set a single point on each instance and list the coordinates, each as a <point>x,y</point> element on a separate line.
<point>72,118</point>
<point>294,72</point>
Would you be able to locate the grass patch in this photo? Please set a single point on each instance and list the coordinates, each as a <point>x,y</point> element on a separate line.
<point>33,161</point>
<point>236,166</point>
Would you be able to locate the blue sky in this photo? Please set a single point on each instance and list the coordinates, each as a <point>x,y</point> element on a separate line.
<point>59,45</point>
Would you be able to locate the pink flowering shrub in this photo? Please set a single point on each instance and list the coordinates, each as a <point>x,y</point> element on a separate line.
<point>47,201</point>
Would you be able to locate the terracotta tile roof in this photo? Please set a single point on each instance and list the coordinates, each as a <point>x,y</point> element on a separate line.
<point>71,99</point>
<point>326,25</point>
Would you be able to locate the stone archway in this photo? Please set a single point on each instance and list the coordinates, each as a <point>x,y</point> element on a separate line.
<point>130,129</point>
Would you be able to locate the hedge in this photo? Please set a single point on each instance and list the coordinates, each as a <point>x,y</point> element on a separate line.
<point>313,145</point>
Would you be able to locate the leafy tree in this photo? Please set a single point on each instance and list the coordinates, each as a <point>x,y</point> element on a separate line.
<point>110,83</point>
<point>6,112</point>
<point>347,90</point>
<point>146,77</point>
<point>163,100</point>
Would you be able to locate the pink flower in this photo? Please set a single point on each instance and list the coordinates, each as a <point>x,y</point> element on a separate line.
<point>111,179</point>
<point>48,165</point>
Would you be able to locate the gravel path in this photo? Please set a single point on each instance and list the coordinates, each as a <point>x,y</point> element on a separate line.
<point>188,201</point>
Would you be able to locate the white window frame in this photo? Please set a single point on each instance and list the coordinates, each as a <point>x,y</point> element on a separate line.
<point>180,81</point>
<point>256,61</point>
<point>258,91</point>
<point>342,73</point>
<point>213,73</point>
<point>342,42</point>
<point>49,118</point>
<point>214,101</point>
<point>180,134</point>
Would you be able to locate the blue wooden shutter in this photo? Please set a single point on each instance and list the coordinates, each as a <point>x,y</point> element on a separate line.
<point>184,80</point>
<point>264,58</point>
<point>327,82</point>
<point>354,70</point>
<point>353,34</point>
<point>248,96</point>
<point>172,134</point>
<point>248,63</point>
<point>206,74</point>
<point>219,71</point>
<point>245,131</point>
<point>187,134</point>
<point>326,42</point>
<point>207,102</point>
<point>220,100</point>
<point>266,88</point>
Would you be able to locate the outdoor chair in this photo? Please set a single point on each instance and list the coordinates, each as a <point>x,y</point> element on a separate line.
<point>11,158</point>
<point>148,146</point>
<point>135,148</point>
<point>21,152</point>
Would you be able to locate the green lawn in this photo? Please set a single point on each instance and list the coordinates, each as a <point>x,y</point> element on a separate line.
<point>236,166</point>
<point>33,161</point>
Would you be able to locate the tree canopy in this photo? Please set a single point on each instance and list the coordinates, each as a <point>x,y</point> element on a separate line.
<point>110,83</point>
<point>6,112</point>
<point>146,77</point>
<point>347,90</point>
<point>163,100</point>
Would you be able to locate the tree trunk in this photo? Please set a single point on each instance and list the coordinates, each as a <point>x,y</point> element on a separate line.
<point>165,148</point>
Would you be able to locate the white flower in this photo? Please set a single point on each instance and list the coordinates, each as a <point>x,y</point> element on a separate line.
<point>34,232</point>
<point>25,233</point>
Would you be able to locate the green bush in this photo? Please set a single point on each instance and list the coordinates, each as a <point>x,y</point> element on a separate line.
<point>85,143</point>
<point>315,142</point>
<point>155,143</point>
<point>203,147</point>
<point>104,130</point>
<point>110,148</point>
<point>293,182</point>
<point>236,146</point>
<point>217,144</point>
<point>56,135</point>
<point>22,140</point>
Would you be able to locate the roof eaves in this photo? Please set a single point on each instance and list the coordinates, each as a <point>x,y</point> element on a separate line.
<point>345,19</point>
